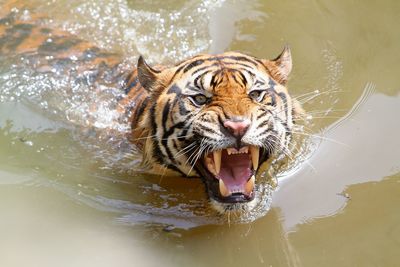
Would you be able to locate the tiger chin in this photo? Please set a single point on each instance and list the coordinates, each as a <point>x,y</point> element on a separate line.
<point>218,117</point>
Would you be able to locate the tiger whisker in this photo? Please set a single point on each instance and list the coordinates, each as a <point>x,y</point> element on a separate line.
<point>193,155</point>
<point>320,117</point>
<point>303,101</point>
<point>313,95</point>
<point>289,153</point>
<point>325,111</point>
<point>310,93</point>
<point>309,98</point>
<point>152,136</point>
<point>198,155</point>
<point>165,168</point>
<point>321,137</point>
<point>185,150</point>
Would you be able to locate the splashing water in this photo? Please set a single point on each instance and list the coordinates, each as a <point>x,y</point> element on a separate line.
<point>160,35</point>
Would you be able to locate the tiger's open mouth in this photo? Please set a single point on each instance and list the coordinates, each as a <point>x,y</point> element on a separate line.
<point>231,173</point>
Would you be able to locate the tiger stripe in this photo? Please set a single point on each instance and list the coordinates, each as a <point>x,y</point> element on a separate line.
<point>177,113</point>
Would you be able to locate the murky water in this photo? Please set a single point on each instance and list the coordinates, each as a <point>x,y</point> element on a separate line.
<point>71,197</point>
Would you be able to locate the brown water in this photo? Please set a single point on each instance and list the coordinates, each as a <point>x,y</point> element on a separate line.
<point>68,200</point>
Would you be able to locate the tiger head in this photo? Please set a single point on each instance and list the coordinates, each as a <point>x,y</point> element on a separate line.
<point>220,117</point>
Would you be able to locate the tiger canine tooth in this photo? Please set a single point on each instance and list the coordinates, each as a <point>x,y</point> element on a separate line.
<point>249,186</point>
<point>223,189</point>
<point>255,154</point>
<point>217,160</point>
<point>211,168</point>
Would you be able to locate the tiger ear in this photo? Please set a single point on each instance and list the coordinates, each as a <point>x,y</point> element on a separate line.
<point>147,75</point>
<point>280,67</point>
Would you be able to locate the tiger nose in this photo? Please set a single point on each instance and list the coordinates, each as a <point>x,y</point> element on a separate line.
<point>237,128</point>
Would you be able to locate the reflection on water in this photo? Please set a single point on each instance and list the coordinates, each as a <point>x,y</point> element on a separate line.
<point>337,162</point>
<point>71,195</point>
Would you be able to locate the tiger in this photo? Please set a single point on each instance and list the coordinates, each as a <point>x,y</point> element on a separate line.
<point>217,117</point>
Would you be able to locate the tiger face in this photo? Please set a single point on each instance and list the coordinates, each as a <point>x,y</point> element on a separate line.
<point>220,117</point>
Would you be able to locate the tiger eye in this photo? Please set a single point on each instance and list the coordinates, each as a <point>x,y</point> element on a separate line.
<point>200,99</point>
<point>255,95</point>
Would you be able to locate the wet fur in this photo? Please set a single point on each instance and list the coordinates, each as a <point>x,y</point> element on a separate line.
<point>162,118</point>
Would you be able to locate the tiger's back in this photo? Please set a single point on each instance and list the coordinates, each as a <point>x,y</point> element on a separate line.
<point>47,49</point>
<point>31,44</point>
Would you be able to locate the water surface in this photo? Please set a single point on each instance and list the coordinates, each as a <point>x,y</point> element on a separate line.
<point>70,199</point>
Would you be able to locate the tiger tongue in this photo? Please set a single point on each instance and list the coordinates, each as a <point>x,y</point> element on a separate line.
<point>235,171</point>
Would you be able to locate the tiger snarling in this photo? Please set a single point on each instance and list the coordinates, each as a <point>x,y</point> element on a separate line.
<point>220,117</point>
<point>217,117</point>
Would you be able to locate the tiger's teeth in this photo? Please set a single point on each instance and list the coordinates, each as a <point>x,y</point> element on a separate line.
<point>211,168</point>
<point>223,189</point>
<point>255,154</point>
<point>244,149</point>
<point>217,160</point>
<point>230,151</point>
<point>249,186</point>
